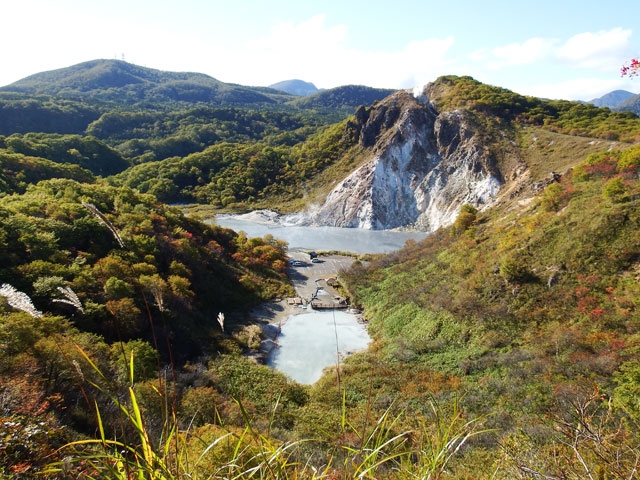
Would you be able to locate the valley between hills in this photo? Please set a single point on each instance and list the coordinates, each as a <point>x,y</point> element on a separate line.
<point>505,344</point>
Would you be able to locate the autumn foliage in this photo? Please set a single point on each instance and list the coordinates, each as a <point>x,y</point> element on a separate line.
<point>631,69</point>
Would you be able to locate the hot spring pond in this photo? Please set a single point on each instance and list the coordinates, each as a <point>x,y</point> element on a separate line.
<point>309,342</point>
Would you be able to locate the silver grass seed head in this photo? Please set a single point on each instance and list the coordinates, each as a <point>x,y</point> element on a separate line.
<point>19,300</point>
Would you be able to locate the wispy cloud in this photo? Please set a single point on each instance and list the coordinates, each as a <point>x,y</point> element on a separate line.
<point>322,52</point>
<point>526,53</point>
<point>308,37</point>
<point>599,50</point>
<point>539,66</point>
<point>591,50</point>
<point>586,88</point>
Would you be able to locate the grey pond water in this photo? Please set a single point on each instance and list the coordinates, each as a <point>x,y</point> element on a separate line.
<point>354,240</point>
<point>314,340</point>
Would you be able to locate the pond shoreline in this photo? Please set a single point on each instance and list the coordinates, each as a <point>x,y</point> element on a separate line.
<point>271,316</point>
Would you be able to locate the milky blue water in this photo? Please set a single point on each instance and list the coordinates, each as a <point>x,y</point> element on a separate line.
<point>311,341</point>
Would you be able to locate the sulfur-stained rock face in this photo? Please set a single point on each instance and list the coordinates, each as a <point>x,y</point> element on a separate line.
<point>423,166</point>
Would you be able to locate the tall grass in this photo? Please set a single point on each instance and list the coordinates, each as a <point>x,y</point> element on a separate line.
<point>251,454</point>
<point>440,440</point>
<point>382,451</point>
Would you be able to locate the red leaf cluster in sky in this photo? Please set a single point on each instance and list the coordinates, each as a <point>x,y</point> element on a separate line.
<point>632,69</point>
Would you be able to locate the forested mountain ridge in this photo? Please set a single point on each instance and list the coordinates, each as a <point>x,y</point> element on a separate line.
<point>120,82</point>
<point>149,114</point>
<point>339,98</point>
<point>123,82</point>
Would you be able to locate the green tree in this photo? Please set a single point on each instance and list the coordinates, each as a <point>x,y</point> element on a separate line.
<point>466,218</point>
<point>145,361</point>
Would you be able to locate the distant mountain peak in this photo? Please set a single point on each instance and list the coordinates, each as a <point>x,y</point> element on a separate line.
<point>103,74</point>
<point>296,87</point>
<point>612,99</point>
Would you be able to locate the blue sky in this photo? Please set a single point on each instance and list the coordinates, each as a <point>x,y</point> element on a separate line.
<point>556,49</point>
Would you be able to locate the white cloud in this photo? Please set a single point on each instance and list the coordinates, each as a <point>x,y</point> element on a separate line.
<point>532,50</point>
<point>601,50</point>
<point>577,89</point>
<point>317,52</point>
<point>310,36</point>
<point>417,63</point>
<point>543,67</point>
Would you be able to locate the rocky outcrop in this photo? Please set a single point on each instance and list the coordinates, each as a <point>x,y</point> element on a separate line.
<point>423,165</point>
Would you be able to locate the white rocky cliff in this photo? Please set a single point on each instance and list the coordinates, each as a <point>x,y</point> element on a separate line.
<point>422,166</point>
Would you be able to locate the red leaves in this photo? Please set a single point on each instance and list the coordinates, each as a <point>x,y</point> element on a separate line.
<point>632,69</point>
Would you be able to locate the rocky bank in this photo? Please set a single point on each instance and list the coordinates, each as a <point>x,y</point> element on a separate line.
<point>421,165</point>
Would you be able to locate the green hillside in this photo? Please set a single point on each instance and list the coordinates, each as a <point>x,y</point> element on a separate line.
<point>95,272</point>
<point>241,175</point>
<point>151,115</point>
<point>119,81</point>
<point>21,113</point>
<point>530,316</point>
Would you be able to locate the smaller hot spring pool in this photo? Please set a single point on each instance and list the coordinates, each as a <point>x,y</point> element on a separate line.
<point>309,342</point>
